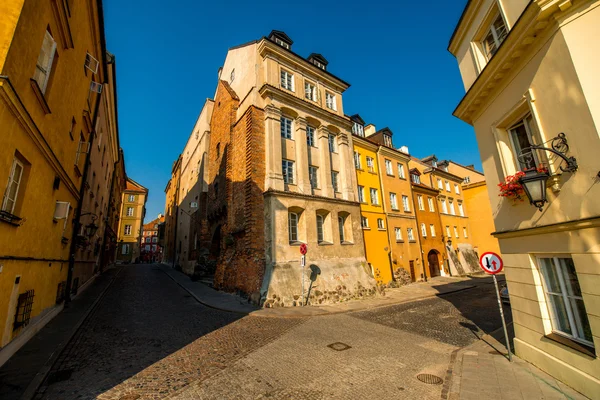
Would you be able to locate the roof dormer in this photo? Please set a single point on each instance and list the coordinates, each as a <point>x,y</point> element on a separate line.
<point>280,38</point>
<point>386,135</point>
<point>430,160</point>
<point>318,60</point>
<point>358,125</point>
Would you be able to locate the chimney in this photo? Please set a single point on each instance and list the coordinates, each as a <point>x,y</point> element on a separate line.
<point>369,130</point>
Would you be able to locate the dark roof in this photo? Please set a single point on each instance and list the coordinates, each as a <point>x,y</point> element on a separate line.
<point>414,171</point>
<point>318,57</point>
<point>386,131</point>
<point>357,118</point>
<point>282,36</point>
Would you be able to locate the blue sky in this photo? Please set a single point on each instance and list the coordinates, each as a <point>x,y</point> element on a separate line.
<point>393,53</point>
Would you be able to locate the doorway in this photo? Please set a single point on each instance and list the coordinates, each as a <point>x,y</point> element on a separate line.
<point>434,263</point>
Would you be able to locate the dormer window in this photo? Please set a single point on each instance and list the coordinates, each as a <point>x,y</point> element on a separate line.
<point>281,39</point>
<point>282,43</point>
<point>387,140</point>
<point>415,178</point>
<point>494,37</point>
<point>318,61</point>
<point>434,163</point>
<point>318,64</point>
<point>358,129</point>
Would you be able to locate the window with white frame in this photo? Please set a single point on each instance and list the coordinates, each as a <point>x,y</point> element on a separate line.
<point>286,128</point>
<point>130,211</point>
<point>430,204</point>
<point>287,169</point>
<point>357,163</point>
<point>380,224</point>
<point>388,168</point>
<point>370,164</point>
<point>456,232</point>
<point>523,135</point>
<point>313,175</point>
<point>461,210</point>
<point>405,203</point>
<point>451,204</point>
<point>330,101</point>
<point>128,230</point>
<point>420,202</point>
<point>287,80</point>
<point>432,230</point>
<point>361,194</point>
<point>387,140</point>
<point>125,249</point>
<point>393,201</point>
<point>154,247</point>
<point>423,230</point>
<point>282,43</point>
<point>320,222</point>
<point>364,222</point>
<point>154,239</point>
<point>467,179</point>
<point>12,188</point>
<point>293,219</point>
<point>341,224</point>
<point>456,189</point>
<point>43,67</point>
<point>401,173</point>
<point>465,232</point>
<point>374,196</point>
<point>310,91</point>
<point>331,141</point>
<point>398,233</point>
<point>565,302</point>
<point>448,186</point>
<point>410,234</point>
<point>147,247</point>
<point>440,184</point>
<point>494,37</point>
<point>444,206</point>
<point>310,136</point>
<point>448,234</point>
<point>415,178</point>
<point>358,129</point>
<point>334,181</point>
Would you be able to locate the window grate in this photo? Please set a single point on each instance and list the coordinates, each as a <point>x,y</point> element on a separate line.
<point>24,306</point>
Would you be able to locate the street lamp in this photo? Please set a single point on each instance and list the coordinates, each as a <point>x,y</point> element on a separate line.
<point>534,185</point>
<point>90,229</point>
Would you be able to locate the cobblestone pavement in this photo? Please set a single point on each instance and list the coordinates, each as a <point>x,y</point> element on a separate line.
<point>148,339</point>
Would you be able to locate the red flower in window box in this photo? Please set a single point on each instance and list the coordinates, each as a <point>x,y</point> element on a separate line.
<point>511,187</point>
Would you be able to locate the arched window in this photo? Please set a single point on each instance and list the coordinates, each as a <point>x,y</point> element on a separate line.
<point>293,219</point>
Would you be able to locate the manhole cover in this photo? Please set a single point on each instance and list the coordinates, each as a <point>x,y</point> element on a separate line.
<point>430,379</point>
<point>339,346</point>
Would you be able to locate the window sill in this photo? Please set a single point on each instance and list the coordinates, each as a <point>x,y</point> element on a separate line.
<point>366,228</point>
<point>403,178</point>
<point>373,172</point>
<point>381,229</point>
<point>296,243</point>
<point>323,243</point>
<point>399,241</point>
<point>565,341</point>
<point>375,205</point>
<point>395,209</point>
<point>10,218</point>
<point>346,243</point>
<point>412,241</point>
<point>392,175</point>
<point>40,96</point>
<point>407,211</point>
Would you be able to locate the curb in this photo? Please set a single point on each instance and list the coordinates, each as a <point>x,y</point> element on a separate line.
<point>42,374</point>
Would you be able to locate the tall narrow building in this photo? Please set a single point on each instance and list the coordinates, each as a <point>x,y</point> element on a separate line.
<point>133,211</point>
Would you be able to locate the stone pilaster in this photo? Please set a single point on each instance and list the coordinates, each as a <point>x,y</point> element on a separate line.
<point>274,175</point>
<point>346,153</point>
<point>324,162</point>
<point>302,156</point>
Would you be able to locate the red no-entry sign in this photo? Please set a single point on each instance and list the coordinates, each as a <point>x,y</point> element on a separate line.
<point>303,248</point>
<point>491,262</point>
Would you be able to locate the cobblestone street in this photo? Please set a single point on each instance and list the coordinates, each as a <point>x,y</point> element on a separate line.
<point>149,339</point>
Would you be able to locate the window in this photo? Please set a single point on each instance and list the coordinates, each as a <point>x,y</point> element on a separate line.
<point>232,76</point>
<point>341,221</point>
<point>287,80</point>
<point>361,194</point>
<point>286,128</point>
<point>154,239</point>
<point>330,101</point>
<point>331,140</point>
<point>467,179</point>
<point>456,189</point>
<point>287,168</point>
<point>522,136</point>
<point>456,232</point>
<point>387,140</point>
<point>293,227</point>
<point>440,184</point>
<point>43,67</point>
<point>154,247</point>
<point>423,230</point>
<point>310,136</point>
<point>393,201</point>
<point>432,230</point>
<point>420,202</point>
<point>430,204</point>
<point>12,188</point>
<point>313,176</point>
<point>494,37</point>
<point>82,148</point>
<point>130,211</point>
<point>444,206</point>
<point>24,306</point>
<point>364,222</point>
<point>447,186</point>
<point>320,236</point>
<point>410,234</point>
<point>563,293</point>
<point>398,233</point>
<point>334,181</point>
<point>401,171</point>
<point>357,162</point>
<point>388,168</point>
<point>282,43</point>
<point>370,164</point>
<point>461,210</point>
<point>128,229</point>
<point>405,203</point>
<point>131,198</point>
<point>451,203</point>
<point>147,247</point>
<point>374,197</point>
<point>147,239</point>
<point>380,224</point>
<point>358,129</point>
<point>310,91</point>
<point>448,231</point>
<point>125,249</point>
<point>465,232</point>
<point>415,178</point>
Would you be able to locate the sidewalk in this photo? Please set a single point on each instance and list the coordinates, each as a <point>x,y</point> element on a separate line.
<point>482,371</point>
<point>416,291</point>
<point>26,369</point>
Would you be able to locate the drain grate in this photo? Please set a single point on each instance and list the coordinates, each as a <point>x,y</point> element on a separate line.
<point>430,379</point>
<point>59,376</point>
<point>339,346</point>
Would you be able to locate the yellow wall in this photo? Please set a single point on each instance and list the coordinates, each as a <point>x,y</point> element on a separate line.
<point>136,224</point>
<point>480,217</point>
<point>376,240</point>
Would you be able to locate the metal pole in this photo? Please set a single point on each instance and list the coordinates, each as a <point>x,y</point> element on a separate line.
<point>502,316</point>
<point>303,261</point>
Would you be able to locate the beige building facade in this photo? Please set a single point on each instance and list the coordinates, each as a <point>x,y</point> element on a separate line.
<point>133,211</point>
<point>529,71</point>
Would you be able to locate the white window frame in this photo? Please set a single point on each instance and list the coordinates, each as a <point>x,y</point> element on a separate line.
<point>358,129</point>
<point>127,230</point>
<point>440,184</point>
<point>282,43</point>
<point>310,136</point>
<point>320,228</point>
<point>432,230</point>
<point>125,249</point>
<point>313,176</point>
<point>448,234</point>
<point>444,206</point>
<point>330,101</point>
<point>415,178</point>
<point>374,194</point>
<point>286,80</point>
<point>431,204</point>
<point>461,209</point>
<point>456,232</point>
<point>286,167</point>
<point>451,204</point>
<point>387,140</point>
<point>498,40</point>
<point>357,160</point>
<point>528,123</point>
<point>405,203</point>
<point>331,142</point>
<point>310,91</point>
<point>410,234</point>
<point>43,66</point>
<point>130,211</point>
<point>388,167</point>
<point>398,233</point>
<point>370,164</point>
<point>12,180</point>
<point>364,222</point>
<point>131,198</point>
<point>380,224</point>
<point>456,189</point>
<point>394,201</point>
<point>420,202</point>
<point>465,232</point>
<point>448,186</point>
<point>287,128</point>
<point>401,173</point>
<point>293,222</point>
<point>361,194</point>
<point>423,230</point>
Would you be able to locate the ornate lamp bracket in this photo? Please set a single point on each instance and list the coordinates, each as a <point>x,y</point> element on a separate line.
<point>559,146</point>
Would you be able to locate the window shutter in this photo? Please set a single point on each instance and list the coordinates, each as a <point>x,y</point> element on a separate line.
<point>44,62</point>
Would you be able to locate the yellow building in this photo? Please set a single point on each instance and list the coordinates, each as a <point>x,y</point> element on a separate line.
<point>373,218</point>
<point>530,73</point>
<point>48,54</point>
<point>133,211</point>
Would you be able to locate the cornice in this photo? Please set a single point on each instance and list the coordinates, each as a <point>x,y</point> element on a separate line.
<point>272,192</point>
<point>465,21</point>
<point>585,223</point>
<point>394,153</point>
<point>367,144</point>
<point>440,172</point>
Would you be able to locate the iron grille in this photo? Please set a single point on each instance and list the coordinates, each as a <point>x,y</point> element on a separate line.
<point>24,305</point>
<point>60,292</point>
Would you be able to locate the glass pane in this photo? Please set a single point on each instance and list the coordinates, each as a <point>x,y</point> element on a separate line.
<point>570,276</point>
<point>12,190</point>
<point>581,320</point>
<point>17,173</point>
<point>521,141</point>
<point>550,277</point>
<point>560,319</point>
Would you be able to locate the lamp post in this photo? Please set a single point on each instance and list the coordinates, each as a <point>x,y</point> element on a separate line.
<point>534,185</point>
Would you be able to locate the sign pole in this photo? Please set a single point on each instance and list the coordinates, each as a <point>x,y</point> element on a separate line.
<point>303,262</point>
<point>503,320</point>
